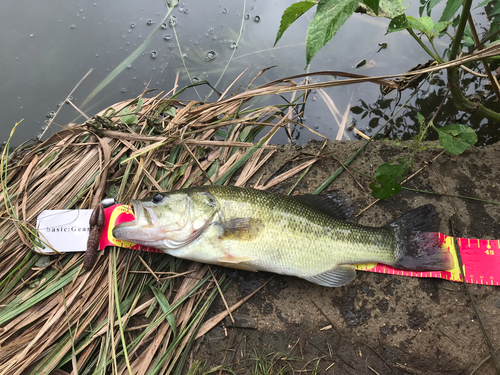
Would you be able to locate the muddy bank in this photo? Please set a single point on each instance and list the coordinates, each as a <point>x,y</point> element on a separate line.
<point>379,323</point>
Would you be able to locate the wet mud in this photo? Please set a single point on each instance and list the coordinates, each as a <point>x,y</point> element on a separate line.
<point>378,324</point>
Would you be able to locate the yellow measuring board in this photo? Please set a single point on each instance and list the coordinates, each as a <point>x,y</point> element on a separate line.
<point>480,259</point>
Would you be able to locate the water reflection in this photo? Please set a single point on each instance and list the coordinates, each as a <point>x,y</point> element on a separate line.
<point>47,54</point>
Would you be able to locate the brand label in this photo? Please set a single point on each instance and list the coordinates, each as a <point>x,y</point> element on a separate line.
<point>63,230</point>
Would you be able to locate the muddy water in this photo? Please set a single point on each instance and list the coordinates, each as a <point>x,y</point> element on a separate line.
<point>47,49</point>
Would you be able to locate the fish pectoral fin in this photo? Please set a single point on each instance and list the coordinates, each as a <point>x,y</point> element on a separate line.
<point>243,228</point>
<point>235,262</point>
<point>337,276</point>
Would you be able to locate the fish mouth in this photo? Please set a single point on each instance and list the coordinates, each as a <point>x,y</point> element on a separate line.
<point>134,231</point>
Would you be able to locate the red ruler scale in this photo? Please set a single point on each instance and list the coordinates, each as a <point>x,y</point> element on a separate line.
<point>480,258</point>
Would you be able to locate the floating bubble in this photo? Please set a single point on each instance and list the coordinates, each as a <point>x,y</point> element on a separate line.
<point>256,18</point>
<point>60,104</point>
<point>153,54</point>
<point>171,46</point>
<point>70,98</point>
<point>172,21</point>
<point>233,46</point>
<point>224,11</point>
<point>72,27</point>
<point>195,80</point>
<point>163,26</point>
<point>214,38</point>
<point>51,114</point>
<point>186,11</point>
<point>31,35</point>
<point>247,16</point>
<point>150,22</point>
<point>167,37</point>
<point>124,90</point>
<point>132,25</point>
<point>210,55</point>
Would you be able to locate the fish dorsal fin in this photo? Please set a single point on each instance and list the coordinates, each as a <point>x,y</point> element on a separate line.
<point>243,228</point>
<point>334,204</point>
<point>337,276</point>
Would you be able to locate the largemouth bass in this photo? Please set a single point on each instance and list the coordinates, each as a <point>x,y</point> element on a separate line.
<point>304,236</point>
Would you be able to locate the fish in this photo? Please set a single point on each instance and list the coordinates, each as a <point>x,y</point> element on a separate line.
<point>306,236</point>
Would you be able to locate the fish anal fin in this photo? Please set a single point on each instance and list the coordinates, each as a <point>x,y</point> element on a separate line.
<point>335,204</point>
<point>338,276</point>
<point>239,263</point>
<point>241,228</point>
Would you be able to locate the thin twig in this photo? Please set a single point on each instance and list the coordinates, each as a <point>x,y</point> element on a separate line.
<point>149,269</point>
<point>221,294</point>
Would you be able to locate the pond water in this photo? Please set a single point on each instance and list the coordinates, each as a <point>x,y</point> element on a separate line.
<point>48,47</point>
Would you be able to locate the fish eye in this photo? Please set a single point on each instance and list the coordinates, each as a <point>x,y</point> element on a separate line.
<point>157,198</point>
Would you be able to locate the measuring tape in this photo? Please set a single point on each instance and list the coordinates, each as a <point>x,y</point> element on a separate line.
<point>480,258</point>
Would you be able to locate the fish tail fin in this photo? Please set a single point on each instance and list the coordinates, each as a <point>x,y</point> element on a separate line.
<point>418,246</point>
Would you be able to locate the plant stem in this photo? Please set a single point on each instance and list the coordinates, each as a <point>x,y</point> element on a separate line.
<point>461,102</point>
<point>451,195</point>
<point>460,30</point>
<point>493,82</point>
<point>431,54</point>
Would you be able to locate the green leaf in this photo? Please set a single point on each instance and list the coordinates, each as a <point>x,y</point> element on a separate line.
<point>421,118</point>
<point>329,17</point>
<point>398,23</point>
<point>387,177</point>
<point>495,10</point>
<point>431,4</point>
<point>127,117</point>
<point>386,8</point>
<point>291,14</point>
<point>139,105</point>
<point>482,4</point>
<point>450,9</point>
<point>424,24</point>
<point>373,4</point>
<point>171,111</point>
<point>165,307</point>
<point>456,138</point>
<point>440,26</point>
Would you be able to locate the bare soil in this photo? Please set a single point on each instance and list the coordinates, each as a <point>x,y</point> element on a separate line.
<point>378,324</point>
